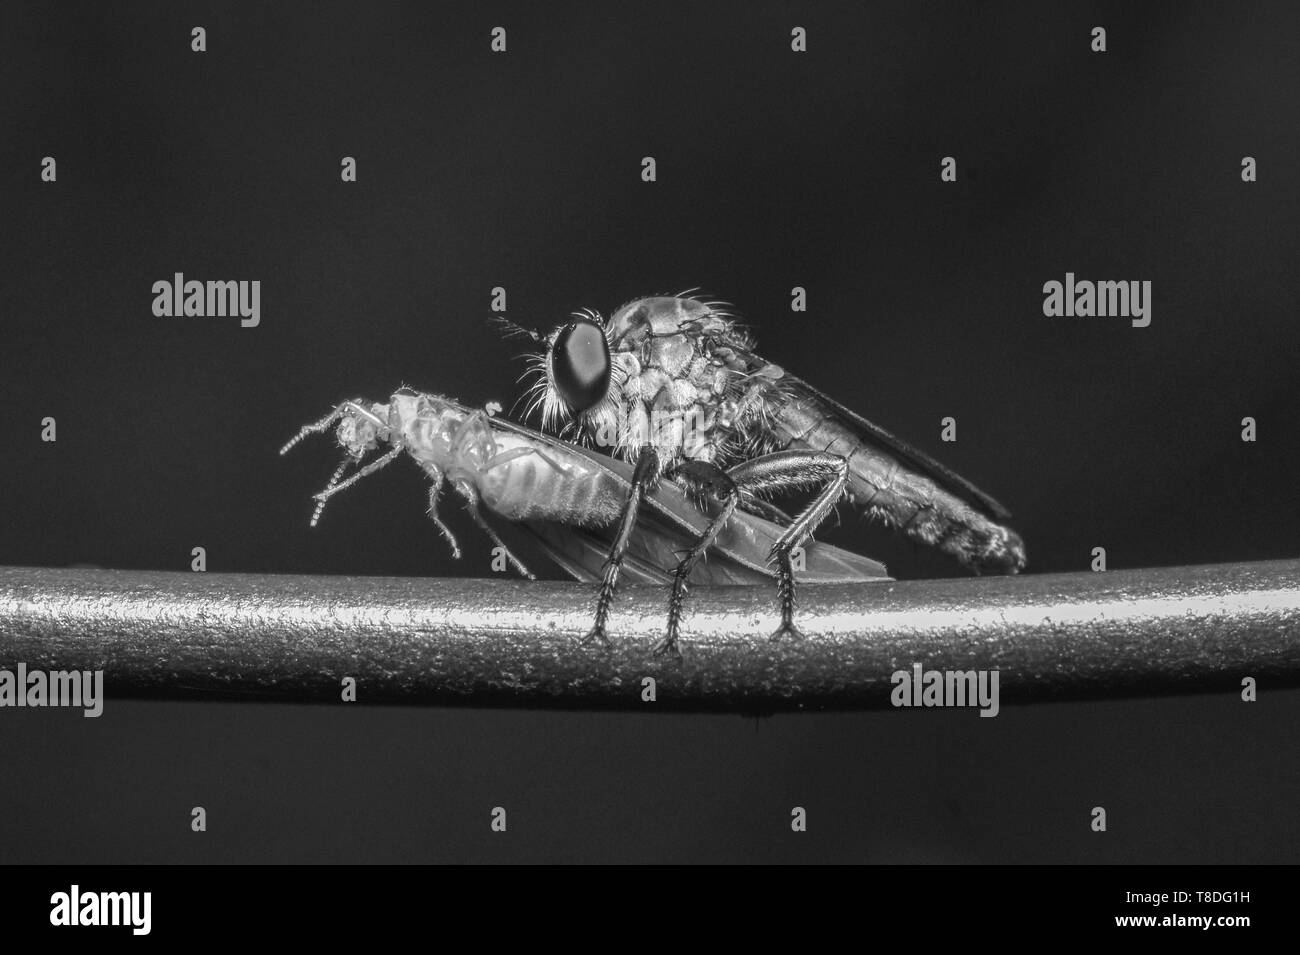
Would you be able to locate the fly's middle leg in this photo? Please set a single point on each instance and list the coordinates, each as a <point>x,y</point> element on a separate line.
<point>712,481</point>
<point>644,479</point>
<point>784,470</point>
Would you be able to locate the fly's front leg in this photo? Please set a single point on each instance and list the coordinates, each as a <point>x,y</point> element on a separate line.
<point>710,480</point>
<point>644,479</point>
<point>787,470</point>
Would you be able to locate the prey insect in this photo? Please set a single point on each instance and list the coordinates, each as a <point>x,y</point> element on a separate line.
<point>672,384</point>
<point>569,499</point>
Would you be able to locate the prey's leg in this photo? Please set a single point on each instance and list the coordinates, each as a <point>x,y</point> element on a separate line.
<point>706,480</point>
<point>505,457</point>
<point>785,470</point>
<point>335,485</point>
<point>369,469</point>
<point>474,504</point>
<point>338,473</point>
<point>434,493</point>
<point>644,479</point>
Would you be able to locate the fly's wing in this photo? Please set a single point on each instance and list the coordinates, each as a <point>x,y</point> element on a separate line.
<point>650,557</point>
<point>656,548</point>
<point>581,553</point>
<point>798,389</point>
<point>668,524</point>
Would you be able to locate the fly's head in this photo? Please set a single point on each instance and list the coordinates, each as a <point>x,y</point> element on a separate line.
<point>576,380</point>
<point>593,371</point>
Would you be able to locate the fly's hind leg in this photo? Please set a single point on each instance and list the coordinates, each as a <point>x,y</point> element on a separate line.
<point>789,470</point>
<point>644,478</point>
<point>706,480</point>
<point>765,509</point>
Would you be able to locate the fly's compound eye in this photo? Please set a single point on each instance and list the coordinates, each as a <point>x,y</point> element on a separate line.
<point>580,365</point>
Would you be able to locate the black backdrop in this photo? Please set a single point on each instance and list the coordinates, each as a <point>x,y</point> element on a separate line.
<point>522,170</point>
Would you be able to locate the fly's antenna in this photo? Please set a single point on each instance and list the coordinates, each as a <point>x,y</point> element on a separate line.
<point>323,497</point>
<point>515,330</point>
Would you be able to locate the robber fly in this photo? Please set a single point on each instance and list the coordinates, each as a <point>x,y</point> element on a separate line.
<point>740,427</point>
<point>567,497</point>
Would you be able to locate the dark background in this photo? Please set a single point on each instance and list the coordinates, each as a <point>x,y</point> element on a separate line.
<point>522,170</point>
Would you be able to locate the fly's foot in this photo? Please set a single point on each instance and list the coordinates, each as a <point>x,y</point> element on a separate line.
<point>668,648</point>
<point>597,635</point>
<point>787,631</point>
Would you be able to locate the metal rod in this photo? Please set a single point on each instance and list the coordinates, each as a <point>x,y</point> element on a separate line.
<point>508,642</point>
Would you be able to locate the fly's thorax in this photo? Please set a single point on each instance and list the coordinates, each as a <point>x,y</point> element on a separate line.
<point>668,384</point>
<point>657,314</point>
<point>676,415</point>
<point>672,354</point>
<point>675,430</point>
<point>663,315</point>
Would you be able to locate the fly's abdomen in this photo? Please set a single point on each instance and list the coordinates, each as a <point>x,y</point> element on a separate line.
<point>528,488</point>
<point>902,497</point>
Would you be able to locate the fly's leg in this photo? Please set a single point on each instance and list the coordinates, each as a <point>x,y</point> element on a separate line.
<point>644,478</point>
<point>756,505</point>
<point>705,479</point>
<point>786,470</point>
<point>473,504</point>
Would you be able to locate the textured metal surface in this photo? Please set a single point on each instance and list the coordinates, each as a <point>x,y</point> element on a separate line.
<point>508,642</point>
